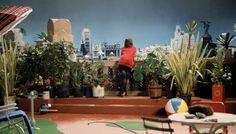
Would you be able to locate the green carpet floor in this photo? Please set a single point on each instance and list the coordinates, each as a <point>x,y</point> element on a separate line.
<point>131,125</point>
<point>46,127</point>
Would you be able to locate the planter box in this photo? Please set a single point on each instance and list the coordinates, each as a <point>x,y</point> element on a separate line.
<point>25,104</point>
<point>217,92</point>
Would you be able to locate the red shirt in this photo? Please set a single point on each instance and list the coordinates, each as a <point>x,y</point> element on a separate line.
<point>127,56</point>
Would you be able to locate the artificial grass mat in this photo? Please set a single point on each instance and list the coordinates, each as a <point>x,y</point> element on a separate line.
<point>46,127</point>
<point>131,125</point>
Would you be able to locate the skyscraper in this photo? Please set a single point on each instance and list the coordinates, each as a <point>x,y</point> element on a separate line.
<point>180,37</point>
<point>104,50</point>
<point>86,42</point>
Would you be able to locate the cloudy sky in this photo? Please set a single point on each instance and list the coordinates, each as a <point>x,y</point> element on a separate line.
<point>146,21</point>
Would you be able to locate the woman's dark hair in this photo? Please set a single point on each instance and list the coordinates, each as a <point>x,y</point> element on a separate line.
<point>128,42</point>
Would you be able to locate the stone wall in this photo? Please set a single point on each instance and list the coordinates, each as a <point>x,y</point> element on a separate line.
<point>59,30</point>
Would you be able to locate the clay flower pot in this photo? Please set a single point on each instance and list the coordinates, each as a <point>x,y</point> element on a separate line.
<point>98,91</point>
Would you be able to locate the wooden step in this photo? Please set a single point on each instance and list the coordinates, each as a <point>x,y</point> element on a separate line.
<point>108,109</point>
<point>135,105</point>
<point>230,104</point>
<point>112,100</point>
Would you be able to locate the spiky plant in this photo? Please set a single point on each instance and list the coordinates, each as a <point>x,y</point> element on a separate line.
<point>225,39</point>
<point>187,64</point>
<point>10,61</point>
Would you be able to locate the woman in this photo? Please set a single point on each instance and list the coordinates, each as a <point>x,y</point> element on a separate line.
<point>126,64</point>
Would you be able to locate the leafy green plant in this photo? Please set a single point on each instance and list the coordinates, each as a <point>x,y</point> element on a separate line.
<point>93,73</point>
<point>138,72</point>
<point>49,61</point>
<point>29,65</point>
<point>153,67</point>
<point>98,77</point>
<point>56,61</point>
<point>75,71</point>
<point>219,74</point>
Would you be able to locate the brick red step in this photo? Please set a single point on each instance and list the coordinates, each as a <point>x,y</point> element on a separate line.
<point>112,100</point>
<point>108,109</point>
<point>135,105</point>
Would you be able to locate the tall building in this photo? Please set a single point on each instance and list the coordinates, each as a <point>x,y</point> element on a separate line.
<point>86,42</point>
<point>103,50</point>
<point>16,37</point>
<point>180,37</point>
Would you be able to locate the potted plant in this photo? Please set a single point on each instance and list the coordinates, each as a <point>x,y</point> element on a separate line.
<point>85,77</point>
<point>29,68</point>
<point>220,75</point>
<point>99,81</point>
<point>186,65</point>
<point>8,62</point>
<point>98,87</point>
<point>56,66</point>
<point>224,40</point>
<point>75,79</point>
<point>154,69</point>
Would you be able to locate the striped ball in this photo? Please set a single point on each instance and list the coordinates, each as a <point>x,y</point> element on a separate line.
<point>176,105</point>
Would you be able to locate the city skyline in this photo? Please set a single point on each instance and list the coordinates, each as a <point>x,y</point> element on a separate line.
<point>148,22</point>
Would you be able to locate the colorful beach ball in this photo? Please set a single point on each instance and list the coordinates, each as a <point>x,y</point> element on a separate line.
<point>176,105</point>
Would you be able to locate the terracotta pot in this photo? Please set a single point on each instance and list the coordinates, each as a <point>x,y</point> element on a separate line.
<point>98,91</point>
<point>155,91</point>
<point>217,92</point>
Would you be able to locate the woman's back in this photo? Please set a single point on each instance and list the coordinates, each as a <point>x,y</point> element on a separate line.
<point>127,56</point>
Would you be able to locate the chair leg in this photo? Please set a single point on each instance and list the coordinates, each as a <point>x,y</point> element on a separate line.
<point>146,131</point>
<point>190,130</point>
<point>225,130</point>
<point>169,127</point>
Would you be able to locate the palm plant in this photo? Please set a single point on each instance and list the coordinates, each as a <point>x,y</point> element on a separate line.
<point>43,36</point>
<point>225,39</point>
<point>187,64</point>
